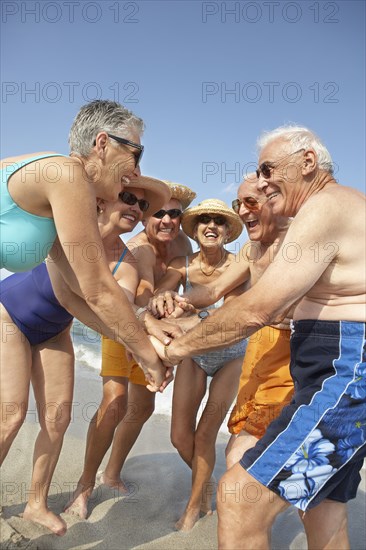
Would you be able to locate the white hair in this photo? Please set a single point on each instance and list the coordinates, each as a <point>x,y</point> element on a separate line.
<point>99,115</point>
<point>299,138</point>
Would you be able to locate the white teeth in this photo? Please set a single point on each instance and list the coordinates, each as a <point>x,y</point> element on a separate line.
<point>210,234</point>
<point>132,218</point>
<point>125,180</point>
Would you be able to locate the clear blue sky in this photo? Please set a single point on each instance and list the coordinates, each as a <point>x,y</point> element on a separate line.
<point>207,78</point>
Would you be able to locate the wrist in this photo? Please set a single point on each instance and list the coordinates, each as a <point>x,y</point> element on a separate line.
<point>139,313</point>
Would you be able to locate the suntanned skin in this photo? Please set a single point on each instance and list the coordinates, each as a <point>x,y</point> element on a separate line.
<point>71,203</point>
<point>111,423</point>
<point>195,439</point>
<point>328,282</point>
<point>266,233</point>
<point>50,368</point>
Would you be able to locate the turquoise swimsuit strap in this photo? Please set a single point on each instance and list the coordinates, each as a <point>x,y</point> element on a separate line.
<point>21,163</point>
<point>120,260</point>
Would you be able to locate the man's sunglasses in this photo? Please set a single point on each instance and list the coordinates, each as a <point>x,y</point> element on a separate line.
<point>250,203</point>
<point>140,148</point>
<point>130,198</point>
<point>173,213</point>
<point>206,219</point>
<point>266,167</point>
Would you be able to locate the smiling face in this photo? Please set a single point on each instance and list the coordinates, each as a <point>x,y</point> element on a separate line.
<point>124,216</point>
<point>262,224</point>
<point>117,164</point>
<point>210,231</point>
<point>281,184</point>
<point>166,229</point>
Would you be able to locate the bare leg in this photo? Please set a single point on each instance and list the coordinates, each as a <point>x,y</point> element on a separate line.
<point>53,382</point>
<point>222,391</point>
<point>326,526</point>
<point>141,403</point>
<point>246,511</point>
<point>100,436</point>
<point>238,444</point>
<point>15,372</point>
<point>189,390</point>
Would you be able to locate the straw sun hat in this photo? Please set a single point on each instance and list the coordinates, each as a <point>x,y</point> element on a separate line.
<point>216,208</point>
<point>156,192</point>
<point>181,193</point>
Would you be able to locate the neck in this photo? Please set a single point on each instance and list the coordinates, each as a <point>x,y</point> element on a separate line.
<point>323,180</point>
<point>211,256</point>
<point>111,239</point>
<point>162,250</point>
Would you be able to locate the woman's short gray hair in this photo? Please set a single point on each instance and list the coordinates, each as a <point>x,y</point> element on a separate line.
<point>97,116</point>
<point>300,138</point>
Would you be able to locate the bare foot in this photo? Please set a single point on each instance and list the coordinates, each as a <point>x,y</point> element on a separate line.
<point>190,518</point>
<point>118,484</point>
<point>78,504</point>
<point>46,518</point>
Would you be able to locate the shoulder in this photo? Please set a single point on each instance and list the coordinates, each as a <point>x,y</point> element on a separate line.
<point>182,244</point>
<point>330,208</point>
<point>178,262</point>
<point>19,158</point>
<point>140,247</point>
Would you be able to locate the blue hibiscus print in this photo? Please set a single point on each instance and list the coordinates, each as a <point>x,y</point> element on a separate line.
<point>313,453</point>
<point>299,488</point>
<point>357,389</point>
<point>346,447</point>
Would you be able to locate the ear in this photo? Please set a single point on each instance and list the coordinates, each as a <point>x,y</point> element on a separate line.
<point>228,233</point>
<point>100,205</point>
<point>309,162</point>
<point>101,142</point>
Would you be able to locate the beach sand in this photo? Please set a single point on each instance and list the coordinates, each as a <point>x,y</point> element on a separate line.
<point>159,485</point>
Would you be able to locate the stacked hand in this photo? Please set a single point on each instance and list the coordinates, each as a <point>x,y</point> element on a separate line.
<point>169,304</point>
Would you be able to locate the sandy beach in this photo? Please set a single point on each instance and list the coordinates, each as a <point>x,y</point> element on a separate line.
<point>159,484</point>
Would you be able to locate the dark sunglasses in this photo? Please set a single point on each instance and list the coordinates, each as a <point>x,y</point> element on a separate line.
<point>266,167</point>
<point>130,198</point>
<point>251,203</point>
<point>140,148</point>
<point>205,218</point>
<point>173,213</point>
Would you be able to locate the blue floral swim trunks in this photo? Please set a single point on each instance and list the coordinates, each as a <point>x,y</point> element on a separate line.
<point>315,448</point>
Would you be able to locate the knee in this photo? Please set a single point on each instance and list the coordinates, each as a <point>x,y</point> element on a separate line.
<point>145,410</point>
<point>204,439</point>
<point>55,423</point>
<point>179,439</point>
<point>113,409</point>
<point>12,418</point>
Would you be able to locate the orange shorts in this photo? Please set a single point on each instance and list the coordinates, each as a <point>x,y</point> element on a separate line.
<point>115,363</point>
<point>265,384</point>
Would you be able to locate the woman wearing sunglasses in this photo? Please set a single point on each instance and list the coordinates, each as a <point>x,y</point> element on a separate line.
<point>38,346</point>
<point>212,224</point>
<point>48,208</point>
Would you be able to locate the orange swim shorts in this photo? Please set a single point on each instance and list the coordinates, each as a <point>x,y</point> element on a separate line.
<point>115,363</point>
<point>265,384</point>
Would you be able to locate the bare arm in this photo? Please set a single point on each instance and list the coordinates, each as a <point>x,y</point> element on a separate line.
<point>237,273</point>
<point>84,267</point>
<point>283,283</point>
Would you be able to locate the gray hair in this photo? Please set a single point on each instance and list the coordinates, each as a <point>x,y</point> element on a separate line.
<point>97,116</point>
<point>300,138</point>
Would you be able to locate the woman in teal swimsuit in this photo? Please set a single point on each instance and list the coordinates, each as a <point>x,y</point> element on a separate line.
<point>38,348</point>
<point>48,207</point>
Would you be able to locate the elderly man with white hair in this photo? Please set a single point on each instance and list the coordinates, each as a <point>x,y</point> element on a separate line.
<point>311,454</point>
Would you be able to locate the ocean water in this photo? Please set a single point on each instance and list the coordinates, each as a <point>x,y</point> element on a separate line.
<point>87,347</point>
